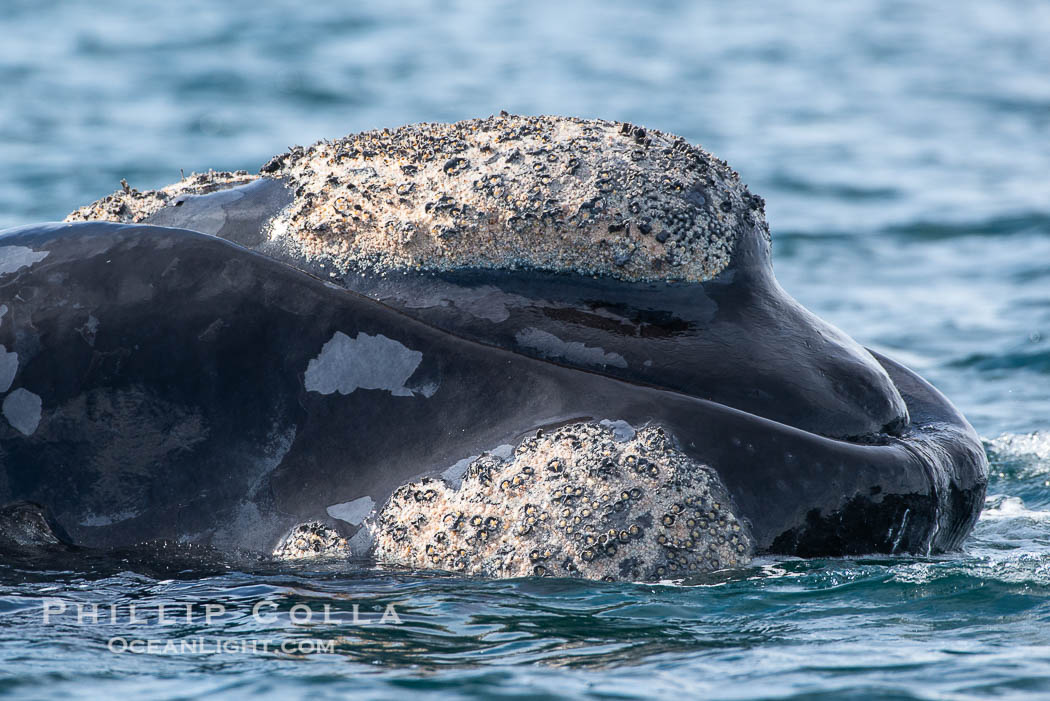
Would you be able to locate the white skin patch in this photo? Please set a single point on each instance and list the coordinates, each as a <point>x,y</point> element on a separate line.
<point>366,362</point>
<point>353,512</point>
<point>485,302</point>
<point>622,431</point>
<point>13,258</point>
<point>8,368</point>
<point>454,475</point>
<point>22,410</point>
<point>89,330</point>
<point>3,310</point>
<point>550,346</point>
<point>96,521</point>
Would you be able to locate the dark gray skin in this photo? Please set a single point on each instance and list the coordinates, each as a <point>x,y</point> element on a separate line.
<point>183,414</point>
<point>739,339</point>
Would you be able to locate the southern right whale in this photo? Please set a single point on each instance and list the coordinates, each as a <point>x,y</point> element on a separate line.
<point>572,325</point>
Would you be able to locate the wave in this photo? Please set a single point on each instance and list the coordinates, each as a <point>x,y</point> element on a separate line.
<point>1026,222</point>
<point>1020,455</point>
<point>1025,445</point>
<point>1038,361</point>
<point>1001,507</point>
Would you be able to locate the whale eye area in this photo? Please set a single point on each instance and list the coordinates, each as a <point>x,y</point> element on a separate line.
<point>577,501</point>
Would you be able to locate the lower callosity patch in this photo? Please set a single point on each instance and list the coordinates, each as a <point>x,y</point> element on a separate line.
<point>311,540</point>
<point>573,502</point>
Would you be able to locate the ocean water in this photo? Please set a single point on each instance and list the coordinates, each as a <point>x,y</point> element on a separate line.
<point>903,150</point>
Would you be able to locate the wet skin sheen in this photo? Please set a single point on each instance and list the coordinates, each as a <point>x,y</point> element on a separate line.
<point>177,399</point>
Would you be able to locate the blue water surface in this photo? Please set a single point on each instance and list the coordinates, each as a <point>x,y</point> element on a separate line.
<point>904,153</point>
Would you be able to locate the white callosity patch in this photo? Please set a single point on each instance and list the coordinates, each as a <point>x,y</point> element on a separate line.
<point>365,362</point>
<point>550,346</point>
<point>579,501</point>
<point>550,193</point>
<point>22,410</point>
<point>352,512</point>
<point>24,525</point>
<point>8,368</point>
<point>129,205</point>
<point>3,310</point>
<point>14,258</point>
<point>311,540</point>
